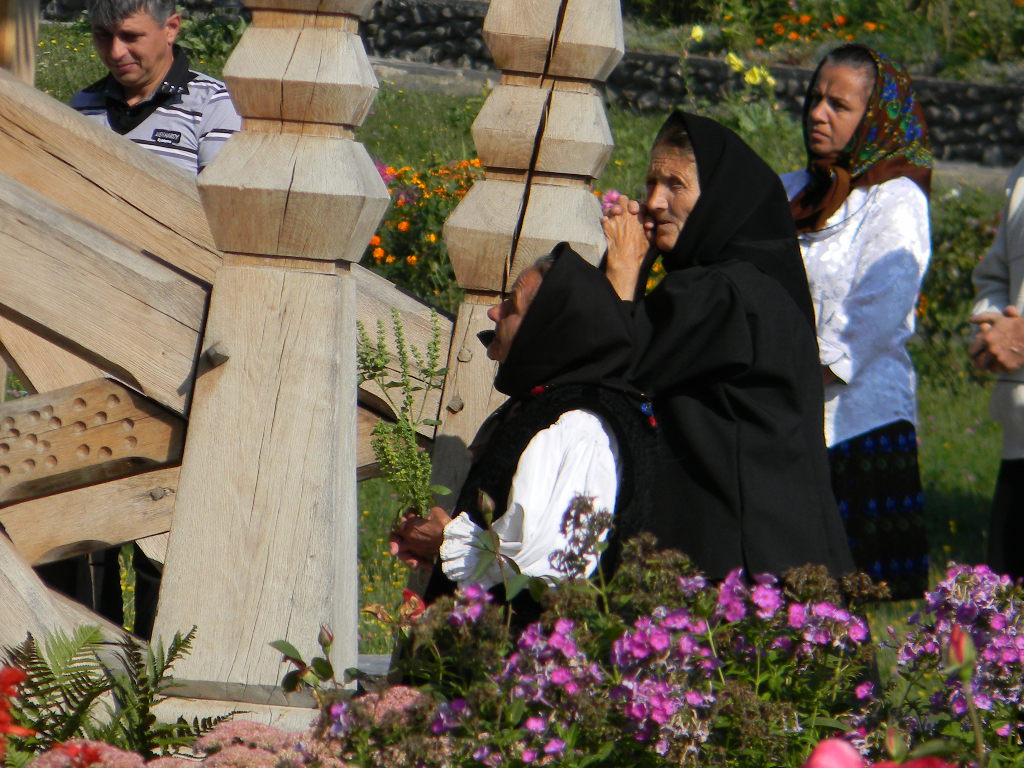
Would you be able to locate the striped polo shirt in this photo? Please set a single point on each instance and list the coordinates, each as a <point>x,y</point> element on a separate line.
<point>186,120</point>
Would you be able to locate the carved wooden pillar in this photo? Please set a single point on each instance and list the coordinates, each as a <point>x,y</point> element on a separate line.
<point>263,543</point>
<point>542,137</point>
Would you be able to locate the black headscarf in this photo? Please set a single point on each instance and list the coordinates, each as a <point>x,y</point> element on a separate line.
<point>742,213</point>
<point>575,332</point>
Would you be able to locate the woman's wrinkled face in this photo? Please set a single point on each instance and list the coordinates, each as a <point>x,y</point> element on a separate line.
<point>838,101</point>
<point>672,192</point>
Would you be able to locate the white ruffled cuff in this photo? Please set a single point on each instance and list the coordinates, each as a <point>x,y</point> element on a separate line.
<point>460,554</point>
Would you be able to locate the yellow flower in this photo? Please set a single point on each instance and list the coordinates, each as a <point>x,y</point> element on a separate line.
<point>431,238</point>
<point>754,76</point>
<point>735,62</point>
<point>697,33</point>
<point>411,260</point>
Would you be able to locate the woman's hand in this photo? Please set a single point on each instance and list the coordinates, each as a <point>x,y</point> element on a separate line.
<point>416,540</point>
<point>628,243</point>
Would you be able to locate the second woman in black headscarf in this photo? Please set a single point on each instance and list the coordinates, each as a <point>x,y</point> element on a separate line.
<point>725,344</point>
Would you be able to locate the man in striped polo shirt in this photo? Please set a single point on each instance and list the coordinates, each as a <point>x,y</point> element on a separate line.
<point>151,96</point>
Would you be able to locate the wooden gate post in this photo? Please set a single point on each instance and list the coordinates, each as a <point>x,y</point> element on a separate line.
<point>542,137</point>
<point>263,542</point>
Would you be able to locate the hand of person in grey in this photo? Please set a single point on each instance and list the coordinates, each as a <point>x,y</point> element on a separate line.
<point>416,540</point>
<point>998,346</point>
<point>628,233</point>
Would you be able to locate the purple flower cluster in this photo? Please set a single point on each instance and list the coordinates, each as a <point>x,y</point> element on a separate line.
<point>824,624</point>
<point>449,716</point>
<point>469,605</point>
<point>988,607</point>
<point>549,672</point>
<point>666,665</point>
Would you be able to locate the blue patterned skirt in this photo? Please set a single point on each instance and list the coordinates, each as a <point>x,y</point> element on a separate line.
<point>877,485</point>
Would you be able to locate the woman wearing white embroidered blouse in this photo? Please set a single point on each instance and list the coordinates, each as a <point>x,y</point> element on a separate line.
<point>861,208</point>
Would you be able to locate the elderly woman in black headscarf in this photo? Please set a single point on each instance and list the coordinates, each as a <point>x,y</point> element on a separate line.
<point>725,344</point>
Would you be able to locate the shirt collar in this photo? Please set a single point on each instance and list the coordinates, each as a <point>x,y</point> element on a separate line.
<point>174,84</point>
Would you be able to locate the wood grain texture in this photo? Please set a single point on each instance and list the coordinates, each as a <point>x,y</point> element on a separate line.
<point>306,196</point>
<point>287,718</point>
<point>555,214</point>
<point>267,532</point>
<point>469,395</point>
<point>45,365</point>
<point>327,75</point>
<point>88,433</point>
<point>479,233</point>
<point>125,311</point>
<point>518,33</point>
<point>91,519</point>
<point>590,42</point>
<point>25,602</point>
<point>505,131</point>
<point>76,614</point>
<point>19,28</point>
<point>104,178</point>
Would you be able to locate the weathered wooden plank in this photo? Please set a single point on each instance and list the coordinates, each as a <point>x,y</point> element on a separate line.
<point>267,532</point>
<point>44,365</point>
<point>125,311</point>
<point>19,28</point>
<point>90,519</point>
<point>25,602</point>
<point>469,395</point>
<point>104,178</point>
<point>79,435</point>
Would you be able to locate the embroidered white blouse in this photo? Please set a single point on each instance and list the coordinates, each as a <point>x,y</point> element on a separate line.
<point>577,455</point>
<point>864,271</point>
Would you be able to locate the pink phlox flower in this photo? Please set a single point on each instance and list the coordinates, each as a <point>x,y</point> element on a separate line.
<point>797,613</point>
<point>865,690</point>
<point>834,753</point>
<point>768,600</point>
<point>554,747</point>
<point>535,724</point>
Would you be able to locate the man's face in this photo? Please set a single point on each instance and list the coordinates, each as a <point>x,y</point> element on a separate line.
<point>672,192</point>
<point>508,315</point>
<point>137,51</point>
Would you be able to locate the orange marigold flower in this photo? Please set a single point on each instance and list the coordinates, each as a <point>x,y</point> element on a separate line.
<point>849,37</point>
<point>389,260</point>
<point>870,26</point>
<point>826,25</point>
<point>475,162</point>
<point>403,226</point>
<point>375,240</point>
<point>805,18</point>
<point>411,260</point>
<point>431,238</point>
<point>841,20</point>
<point>794,35</point>
<point>778,28</point>
<point>760,41</point>
<point>378,253</point>
<point>400,202</point>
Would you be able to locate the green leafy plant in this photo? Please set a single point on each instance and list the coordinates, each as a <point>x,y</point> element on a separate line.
<point>309,676</point>
<point>77,687</point>
<point>404,464</point>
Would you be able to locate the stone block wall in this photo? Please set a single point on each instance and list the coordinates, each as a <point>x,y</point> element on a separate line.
<point>968,122</point>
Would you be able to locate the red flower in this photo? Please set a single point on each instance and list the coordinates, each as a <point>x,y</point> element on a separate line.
<point>82,753</point>
<point>412,604</point>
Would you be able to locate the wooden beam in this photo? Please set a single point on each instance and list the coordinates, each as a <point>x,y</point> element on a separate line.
<point>91,519</point>
<point>80,435</point>
<point>265,519</point>
<point>19,28</point>
<point>104,178</point>
<point>44,365</point>
<point>116,306</point>
<point>25,602</point>
<point>76,614</point>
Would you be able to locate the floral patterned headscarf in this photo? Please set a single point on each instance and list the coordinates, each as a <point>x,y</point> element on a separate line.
<point>890,141</point>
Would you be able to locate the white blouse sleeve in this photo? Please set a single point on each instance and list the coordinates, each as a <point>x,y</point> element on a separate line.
<point>577,455</point>
<point>992,275</point>
<point>893,246</point>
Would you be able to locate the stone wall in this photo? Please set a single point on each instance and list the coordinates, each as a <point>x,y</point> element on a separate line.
<point>968,122</point>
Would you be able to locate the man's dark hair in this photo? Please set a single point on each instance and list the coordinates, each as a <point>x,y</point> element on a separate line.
<point>107,13</point>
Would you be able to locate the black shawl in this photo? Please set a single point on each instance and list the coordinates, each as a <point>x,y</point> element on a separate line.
<point>726,345</point>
